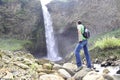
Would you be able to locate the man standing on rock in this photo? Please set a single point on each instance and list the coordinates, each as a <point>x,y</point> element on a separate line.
<point>82,44</point>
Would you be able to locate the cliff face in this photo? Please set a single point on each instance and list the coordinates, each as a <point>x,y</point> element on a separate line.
<point>23,19</point>
<point>98,15</point>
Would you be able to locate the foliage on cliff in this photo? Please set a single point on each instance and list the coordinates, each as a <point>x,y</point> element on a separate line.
<point>22,20</point>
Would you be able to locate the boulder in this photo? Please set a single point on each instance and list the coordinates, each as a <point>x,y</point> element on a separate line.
<point>93,76</point>
<point>106,63</point>
<point>118,72</point>
<point>64,73</point>
<point>50,77</point>
<point>70,66</point>
<point>117,62</point>
<point>108,77</point>
<point>21,65</point>
<point>113,57</point>
<point>57,66</point>
<point>79,75</point>
<point>106,71</point>
<point>97,61</point>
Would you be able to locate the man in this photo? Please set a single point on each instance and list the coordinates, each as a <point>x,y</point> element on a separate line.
<point>82,44</point>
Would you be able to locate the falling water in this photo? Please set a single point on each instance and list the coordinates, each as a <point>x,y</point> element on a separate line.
<point>52,50</point>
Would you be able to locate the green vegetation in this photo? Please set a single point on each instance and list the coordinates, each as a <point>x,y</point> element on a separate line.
<point>92,40</point>
<point>115,33</point>
<point>13,44</point>
<point>106,45</point>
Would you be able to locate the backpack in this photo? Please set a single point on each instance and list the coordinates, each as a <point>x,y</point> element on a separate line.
<point>86,33</point>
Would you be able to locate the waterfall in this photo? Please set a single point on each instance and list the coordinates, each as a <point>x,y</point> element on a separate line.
<point>52,49</point>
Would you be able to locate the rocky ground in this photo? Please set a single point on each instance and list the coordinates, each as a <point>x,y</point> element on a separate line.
<point>23,66</point>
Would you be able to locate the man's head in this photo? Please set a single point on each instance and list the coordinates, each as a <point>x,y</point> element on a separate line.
<point>79,22</point>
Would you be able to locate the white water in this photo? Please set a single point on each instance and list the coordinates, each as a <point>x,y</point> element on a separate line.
<point>52,49</point>
<point>112,69</point>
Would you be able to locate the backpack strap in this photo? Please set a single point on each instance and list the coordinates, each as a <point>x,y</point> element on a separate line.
<point>83,29</point>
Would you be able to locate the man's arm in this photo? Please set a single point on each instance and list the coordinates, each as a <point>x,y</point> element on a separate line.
<point>79,33</point>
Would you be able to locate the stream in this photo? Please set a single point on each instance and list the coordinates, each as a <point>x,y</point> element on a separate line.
<point>112,69</point>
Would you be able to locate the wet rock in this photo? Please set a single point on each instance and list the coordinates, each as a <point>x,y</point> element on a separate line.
<point>97,71</point>
<point>57,66</point>
<point>64,73</point>
<point>116,77</point>
<point>108,77</point>
<point>113,64</point>
<point>117,62</point>
<point>118,72</point>
<point>106,63</point>
<point>106,71</point>
<point>113,57</point>
<point>97,61</point>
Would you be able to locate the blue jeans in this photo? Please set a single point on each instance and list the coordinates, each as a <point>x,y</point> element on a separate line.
<point>82,44</point>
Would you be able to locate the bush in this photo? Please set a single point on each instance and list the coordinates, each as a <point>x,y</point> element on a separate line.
<point>107,43</point>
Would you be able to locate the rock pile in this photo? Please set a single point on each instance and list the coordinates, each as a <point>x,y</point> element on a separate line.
<point>23,66</point>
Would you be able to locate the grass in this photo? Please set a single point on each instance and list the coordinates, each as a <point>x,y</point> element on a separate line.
<point>13,44</point>
<point>115,33</point>
<point>107,43</point>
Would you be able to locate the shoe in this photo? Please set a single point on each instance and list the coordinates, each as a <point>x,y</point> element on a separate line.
<point>79,68</point>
